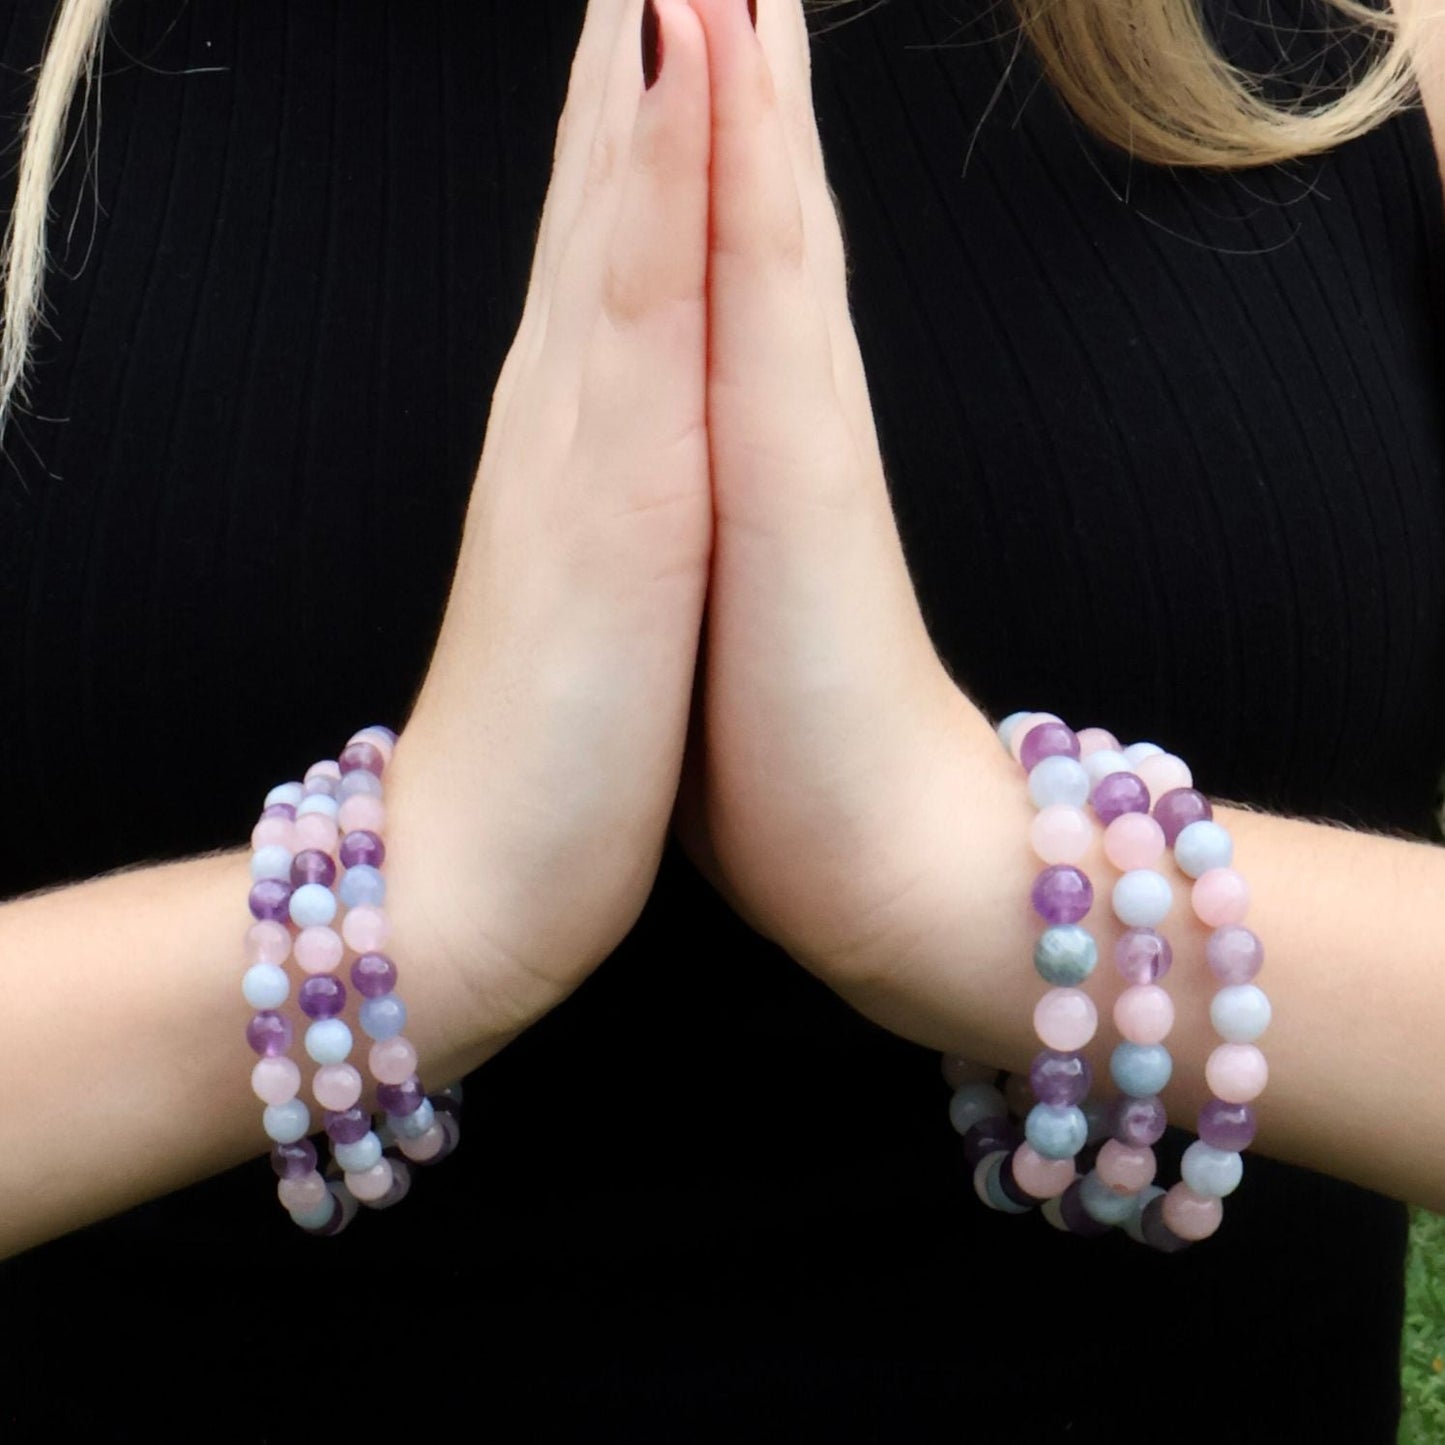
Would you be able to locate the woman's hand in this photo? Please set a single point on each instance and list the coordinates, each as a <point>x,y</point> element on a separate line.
<point>532,787</point>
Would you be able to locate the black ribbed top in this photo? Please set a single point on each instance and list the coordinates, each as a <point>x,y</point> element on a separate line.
<point>1166,453</point>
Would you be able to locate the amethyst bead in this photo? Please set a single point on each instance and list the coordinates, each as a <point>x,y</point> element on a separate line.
<point>401,1099</point>
<point>270,901</point>
<point>293,1161</point>
<point>1139,1122</point>
<point>1227,1126</point>
<point>1075,1216</point>
<point>373,974</point>
<point>1156,1233</point>
<point>1234,953</point>
<point>1062,894</point>
<point>1059,1078</point>
<point>280,810</point>
<point>1142,955</point>
<point>1178,808</point>
<point>1117,794</point>
<point>1047,740</point>
<point>311,865</point>
<point>269,1033</point>
<point>361,755</point>
<point>360,846</point>
<point>347,1126</point>
<point>322,997</point>
<point>988,1136</point>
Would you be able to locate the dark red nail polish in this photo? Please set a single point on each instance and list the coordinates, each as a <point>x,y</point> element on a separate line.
<point>753,12</point>
<point>651,45</point>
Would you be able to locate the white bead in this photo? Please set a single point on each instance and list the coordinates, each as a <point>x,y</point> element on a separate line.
<point>328,1041</point>
<point>1142,898</point>
<point>272,861</point>
<point>265,986</point>
<point>1137,752</point>
<point>1107,760</point>
<point>1059,779</point>
<point>1005,729</point>
<point>1202,845</point>
<point>1240,1013</point>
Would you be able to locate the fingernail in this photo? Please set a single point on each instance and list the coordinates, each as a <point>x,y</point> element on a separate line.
<point>753,12</point>
<point>651,45</point>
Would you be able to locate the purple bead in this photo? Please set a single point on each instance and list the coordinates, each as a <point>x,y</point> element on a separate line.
<point>401,1099</point>
<point>1178,808</point>
<point>346,1126</point>
<point>1142,955</point>
<point>1117,794</point>
<point>269,1033</point>
<point>1156,1233</point>
<point>311,865</point>
<point>270,901</point>
<point>322,997</point>
<point>1234,953</point>
<point>280,810</point>
<point>1047,740</point>
<point>1075,1216</point>
<point>1058,1078</point>
<point>986,1137</point>
<point>362,847</point>
<point>1139,1122</point>
<point>1227,1126</point>
<point>361,755</point>
<point>1010,1186</point>
<point>1062,894</point>
<point>373,974</point>
<point>293,1161</point>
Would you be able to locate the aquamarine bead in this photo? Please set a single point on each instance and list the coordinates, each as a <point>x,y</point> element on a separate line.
<point>265,986</point>
<point>384,1017</point>
<point>358,1157</point>
<point>1065,954</point>
<point>1240,1013</point>
<point>1057,1131</point>
<point>1137,752</point>
<point>312,904</point>
<point>972,1102</point>
<point>315,1218</point>
<point>328,1041</point>
<point>1107,760</point>
<point>288,1122</point>
<point>1059,779</point>
<point>361,886</point>
<point>415,1124</point>
<point>1101,1203</point>
<point>1211,1171</point>
<point>1132,1226</point>
<point>986,1185</point>
<point>291,793</point>
<point>1203,845</point>
<point>317,803</point>
<point>272,861</point>
<point>1140,1069</point>
<point>1006,728</point>
<point>1142,898</point>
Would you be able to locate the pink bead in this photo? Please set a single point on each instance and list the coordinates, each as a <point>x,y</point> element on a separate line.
<point>326,768</point>
<point>268,942</point>
<point>1021,730</point>
<point>305,1193</point>
<point>1220,896</point>
<point>362,812</point>
<point>378,740</point>
<point>1134,840</point>
<point>1065,1019</point>
<point>316,830</point>
<point>1043,1178</point>
<point>366,929</point>
<point>392,1061</point>
<point>274,832</point>
<point>1096,740</point>
<point>958,1071</point>
<point>424,1146</point>
<point>336,1086</point>
<point>1191,1215</point>
<point>373,1183</point>
<point>319,949</point>
<point>1163,773</point>
<point>1061,833</point>
<point>1126,1168</point>
<point>1236,1073</point>
<point>1144,1014</point>
<point>275,1080</point>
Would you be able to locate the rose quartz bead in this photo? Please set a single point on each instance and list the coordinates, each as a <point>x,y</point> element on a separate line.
<point>1095,740</point>
<point>336,1086</point>
<point>316,830</point>
<point>319,949</point>
<point>366,929</point>
<point>1061,833</point>
<point>378,739</point>
<point>1144,1014</point>
<point>1065,1019</point>
<point>392,1061</point>
<point>274,832</point>
<point>373,1183</point>
<point>327,768</point>
<point>1134,840</point>
<point>1164,772</point>
<point>1220,896</point>
<point>1040,1177</point>
<point>1126,1168</point>
<point>362,813</point>
<point>1236,1073</point>
<point>1016,738</point>
<point>305,1193</point>
<point>275,1080</point>
<point>958,1071</point>
<point>1191,1215</point>
<point>268,942</point>
<point>425,1146</point>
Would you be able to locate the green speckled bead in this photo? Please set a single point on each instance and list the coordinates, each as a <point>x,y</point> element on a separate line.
<point>1065,955</point>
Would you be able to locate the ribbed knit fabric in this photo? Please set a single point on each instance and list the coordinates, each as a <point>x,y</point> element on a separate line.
<point>1166,453</point>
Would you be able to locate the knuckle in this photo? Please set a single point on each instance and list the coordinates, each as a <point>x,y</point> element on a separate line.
<point>625,295</point>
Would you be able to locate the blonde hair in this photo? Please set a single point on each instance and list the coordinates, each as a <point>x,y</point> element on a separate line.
<point>1143,74</point>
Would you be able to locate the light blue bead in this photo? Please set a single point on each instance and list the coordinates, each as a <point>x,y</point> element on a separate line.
<point>265,986</point>
<point>1057,1131</point>
<point>1240,1013</point>
<point>1206,1170</point>
<point>1099,1115</point>
<point>359,780</point>
<point>363,886</point>
<point>312,904</point>
<point>358,1157</point>
<point>1107,760</point>
<point>1134,1225</point>
<point>1137,752</point>
<point>286,793</point>
<point>1059,779</point>
<point>1065,954</point>
<point>384,1017</point>
<point>972,1102</point>
<point>272,861</point>
<point>288,1122</point>
<point>315,1218</point>
<point>415,1124</point>
<point>986,1185</point>
<point>1140,1069</point>
<point>1203,845</point>
<point>1006,728</point>
<point>328,1041</point>
<point>1142,898</point>
<point>317,803</point>
<point>1101,1203</point>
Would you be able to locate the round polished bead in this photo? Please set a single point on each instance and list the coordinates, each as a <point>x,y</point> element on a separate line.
<point>326,768</point>
<point>1062,894</point>
<point>1142,898</point>
<point>1133,1226</point>
<point>392,1061</point>
<point>1059,780</point>
<point>313,905</point>
<point>1135,753</point>
<point>1236,1073</point>
<point>401,1099</point>
<point>275,1080</point>
<point>359,846</point>
<point>1223,1125</point>
<point>269,1033</point>
<point>288,1122</point>
<point>273,832</point>
<point>1143,955</point>
<point>1180,807</point>
<point>1140,1069</point>
<point>972,1102</point>
<point>1022,729</point>
<point>425,1146</point>
<point>311,865</point>
<point>269,900</point>
<point>1211,1172</point>
<point>343,1211</point>
<point>1203,845</point>
<point>1075,1218</point>
<point>359,782</point>
<point>957,1070</point>
<point>1065,954</point>
<point>268,943</point>
<point>360,755</point>
<point>1117,794</point>
<point>1163,773</point>
<point>1234,953</point>
<point>1139,1122</point>
<point>366,929</point>
<point>1134,840</point>
<point>303,1194</point>
<point>1047,740</point>
<point>272,861</point>
<point>1144,1014</point>
<point>384,1017</point>
<point>291,793</point>
<point>1094,740</point>
<point>1060,1078</point>
<point>986,1185</point>
<point>328,1041</point>
<point>322,997</point>
<point>1153,1229</point>
<point>371,1184</point>
<point>1220,896</point>
<point>1056,1131</point>
<point>363,887</point>
<point>1005,729</point>
<point>1240,1013</point>
<point>1126,1168</point>
<point>346,1126</point>
<point>382,738</point>
<point>362,812</point>
<point>316,833</point>
<point>1189,1215</point>
<point>319,950</point>
<point>373,974</point>
<point>413,1125</point>
<point>1039,1177</point>
<point>1065,1019</point>
<point>400,1172</point>
<point>1101,764</point>
<point>1101,1203</point>
<point>358,1157</point>
<point>321,803</point>
<point>280,810</point>
<point>294,1160</point>
<point>314,1221</point>
<point>265,986</point>
<point>988,1136</point>
<point>336,1086</point>
<point>1061,833</point>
